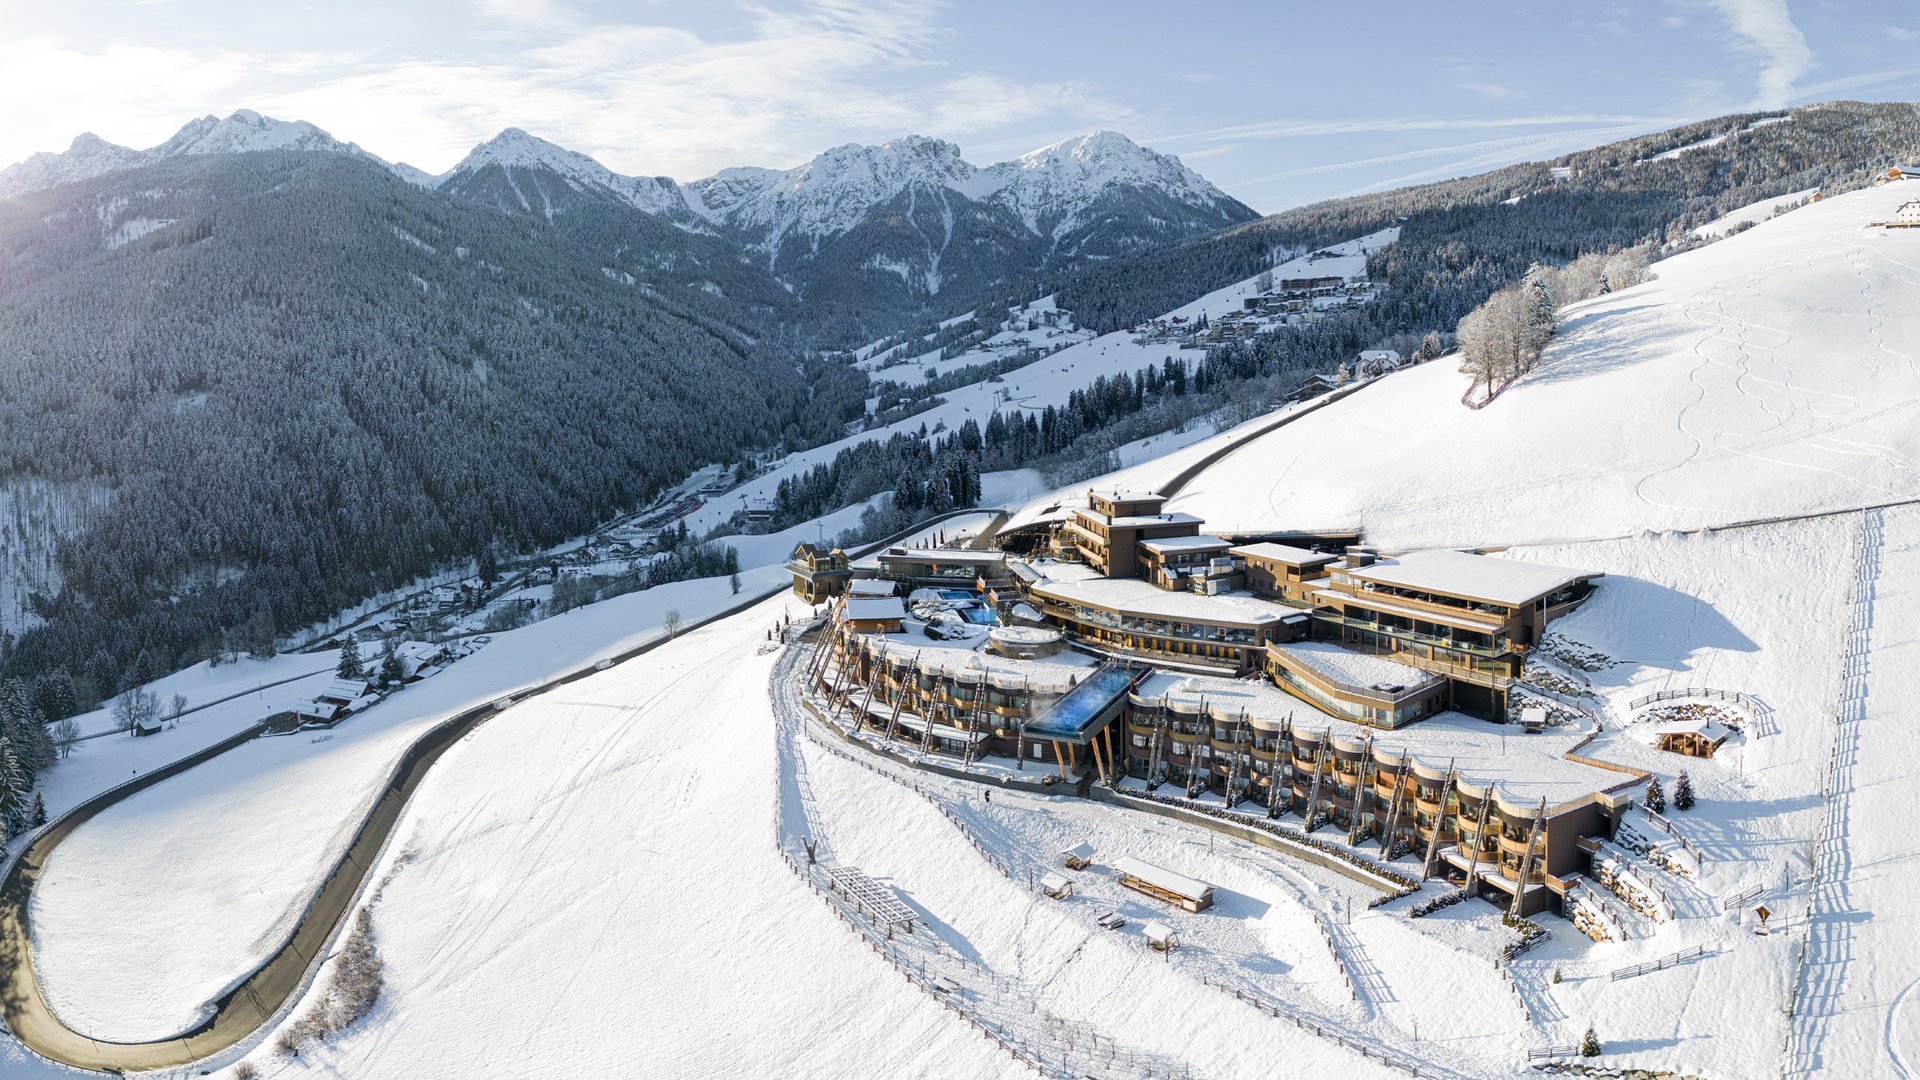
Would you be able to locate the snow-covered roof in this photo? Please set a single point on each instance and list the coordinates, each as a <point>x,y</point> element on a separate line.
<point>1285,553</point>
<point>1081,850</point>
<point>1161,878</point>
<point>343,690</point>
<point>944,555</point>
<point>876,608</point>
<point>1132,596</point>
<point>1702,726</point>
<point>1474,577</point>
<point>1171,544</point>
<point>1141,521</point>
<point>1048,674</point>
<point>1054,882</point>
<point>869,587</point>
<point>1158,932</point>
<point>1357,668</point>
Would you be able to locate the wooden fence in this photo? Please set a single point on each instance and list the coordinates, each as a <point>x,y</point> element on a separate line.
<point>1666,961</point>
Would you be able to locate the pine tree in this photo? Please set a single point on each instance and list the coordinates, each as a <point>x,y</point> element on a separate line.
<point>56,696</point>
<point>38,815</point>
<point>1683,792</point>
<point>391,673</point>
<point>350,667</point>
<point>489,568</point>
<point>1590,1045</point>
<point>14,783</point>
<point>1656,796</point>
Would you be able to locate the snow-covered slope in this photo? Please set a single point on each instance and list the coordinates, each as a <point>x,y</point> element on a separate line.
<point>1776,372</point>
<point>244,131</point>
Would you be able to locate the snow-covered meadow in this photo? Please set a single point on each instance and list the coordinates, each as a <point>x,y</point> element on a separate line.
<point>1776,372</point>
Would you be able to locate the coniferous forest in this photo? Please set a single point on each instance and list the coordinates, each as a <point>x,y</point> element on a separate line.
<point>283,382</point>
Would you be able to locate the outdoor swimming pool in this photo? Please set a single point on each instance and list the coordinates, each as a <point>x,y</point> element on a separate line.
<point>1069,717</point>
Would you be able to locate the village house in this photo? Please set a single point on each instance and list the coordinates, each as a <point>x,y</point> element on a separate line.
<point>1906,217</point>
<point>342,698</point>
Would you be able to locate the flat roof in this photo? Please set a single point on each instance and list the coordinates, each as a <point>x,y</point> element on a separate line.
<point>1141,521</point>
<point>1048,674</point>
<point>876,608</point>
<point>1474,577</point>
<point>1075,584</point>
<point>946,555</point>
<point>1162,878</point>
<point>870,587</point>
<point>1286,553</point>
<point>1185,543</point>
<point>1354,668</point>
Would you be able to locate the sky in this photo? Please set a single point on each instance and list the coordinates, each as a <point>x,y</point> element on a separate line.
<point>1278,104</point>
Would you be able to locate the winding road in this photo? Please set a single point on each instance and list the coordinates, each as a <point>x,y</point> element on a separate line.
<point>258,997</point>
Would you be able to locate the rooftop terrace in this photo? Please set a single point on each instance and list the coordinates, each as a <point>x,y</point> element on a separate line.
<point>1073,583</point>
<point>1492,578</point>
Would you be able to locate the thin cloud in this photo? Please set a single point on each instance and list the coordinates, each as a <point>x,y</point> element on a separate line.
<point>1297,128</point>
<point>641,97</point>
<point>1766,27</point>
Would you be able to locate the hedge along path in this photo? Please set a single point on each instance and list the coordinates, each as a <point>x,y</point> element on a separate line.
<point>258,996</point>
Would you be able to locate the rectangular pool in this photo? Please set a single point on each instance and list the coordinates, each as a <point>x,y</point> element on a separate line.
<point>1072,715</point>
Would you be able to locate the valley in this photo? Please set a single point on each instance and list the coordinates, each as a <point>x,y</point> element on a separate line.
<point>893,616</point>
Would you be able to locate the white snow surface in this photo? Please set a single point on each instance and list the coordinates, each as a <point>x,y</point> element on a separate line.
<point>217,860</point>
<point>1754,213</point>
<point>1776,372</point>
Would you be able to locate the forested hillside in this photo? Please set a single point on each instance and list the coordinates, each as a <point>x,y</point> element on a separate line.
<point>306,381</point>
<point>1462,239</point>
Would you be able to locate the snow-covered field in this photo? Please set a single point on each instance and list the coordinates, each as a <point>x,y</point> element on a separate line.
<point>271,685</point>
<point>589,882</point>
<point>216,862</point>
<point>1775,372</point>
<point>1752,214</point>
<point>617,909</point>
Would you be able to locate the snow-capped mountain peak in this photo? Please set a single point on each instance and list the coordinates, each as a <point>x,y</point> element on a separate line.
<point>243,131</point>
<point>247,130</point>
<point>831,193</point>
<point>1047,187</point>
<point>515,149</point>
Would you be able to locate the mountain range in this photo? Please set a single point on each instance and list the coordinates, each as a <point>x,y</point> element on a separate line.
<point>256,374</point>
<point>907,224</point>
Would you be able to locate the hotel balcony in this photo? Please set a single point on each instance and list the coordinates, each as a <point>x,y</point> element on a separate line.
<point>1517,847</point>
<point>1496,654</point>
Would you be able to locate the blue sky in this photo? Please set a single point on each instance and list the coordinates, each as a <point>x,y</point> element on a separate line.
<point>1279,104</point>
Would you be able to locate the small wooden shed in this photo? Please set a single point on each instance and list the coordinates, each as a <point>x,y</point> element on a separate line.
<point>1166,885</point>
<point>1077,857</point>
<point>1057,886</point>
<point>1698,737</point>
